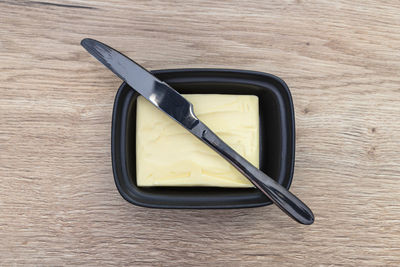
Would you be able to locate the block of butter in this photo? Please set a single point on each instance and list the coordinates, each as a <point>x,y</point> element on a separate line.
<point>169,155</point>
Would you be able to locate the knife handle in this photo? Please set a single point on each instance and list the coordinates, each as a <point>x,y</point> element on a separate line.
<point>285,200</point>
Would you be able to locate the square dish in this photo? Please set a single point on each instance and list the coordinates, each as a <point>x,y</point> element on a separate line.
<point>277,138</point>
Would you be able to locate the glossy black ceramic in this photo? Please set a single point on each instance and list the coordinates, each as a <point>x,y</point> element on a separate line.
<point>277,138</point>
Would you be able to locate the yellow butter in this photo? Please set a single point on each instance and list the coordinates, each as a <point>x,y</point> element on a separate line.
<point>168,155</point>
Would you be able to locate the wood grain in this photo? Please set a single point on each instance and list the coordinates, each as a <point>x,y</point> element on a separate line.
<point>58,201</point>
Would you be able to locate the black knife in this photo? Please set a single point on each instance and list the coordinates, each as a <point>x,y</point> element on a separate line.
<point>177,107</point>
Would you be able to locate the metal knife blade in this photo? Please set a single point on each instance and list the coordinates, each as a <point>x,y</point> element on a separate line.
<point>157,92</point>
<point>176,106</point>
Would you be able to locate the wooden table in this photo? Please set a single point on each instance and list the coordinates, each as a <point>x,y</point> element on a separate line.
<point>58,201</point>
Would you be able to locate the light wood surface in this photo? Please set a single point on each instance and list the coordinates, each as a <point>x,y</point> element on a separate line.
<point>58,201</point>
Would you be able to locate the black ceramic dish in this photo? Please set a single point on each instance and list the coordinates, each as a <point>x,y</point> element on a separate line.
<point>277,138</point>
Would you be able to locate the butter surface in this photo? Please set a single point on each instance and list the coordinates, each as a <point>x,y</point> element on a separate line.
<point>169,155</point>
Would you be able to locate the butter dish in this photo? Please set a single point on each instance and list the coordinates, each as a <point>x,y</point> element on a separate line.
<point>277,138</point>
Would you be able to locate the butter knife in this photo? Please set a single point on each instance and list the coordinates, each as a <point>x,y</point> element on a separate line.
<point>177,107</point>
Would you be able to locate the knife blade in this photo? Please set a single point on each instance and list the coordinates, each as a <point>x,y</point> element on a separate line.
<point>165,98</point>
